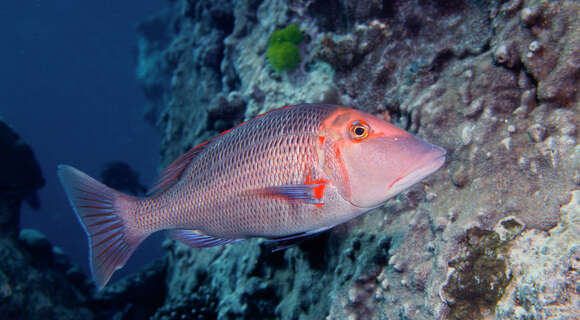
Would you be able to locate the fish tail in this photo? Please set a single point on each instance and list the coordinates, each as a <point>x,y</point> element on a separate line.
<point>107,216</point>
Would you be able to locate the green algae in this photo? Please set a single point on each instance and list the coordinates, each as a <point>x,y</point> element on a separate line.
<point>283,53</point>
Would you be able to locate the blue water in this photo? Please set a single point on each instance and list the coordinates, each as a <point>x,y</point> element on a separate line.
<point>68,87</point>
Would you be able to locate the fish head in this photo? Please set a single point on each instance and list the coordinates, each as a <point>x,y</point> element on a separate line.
<point>377,159</point>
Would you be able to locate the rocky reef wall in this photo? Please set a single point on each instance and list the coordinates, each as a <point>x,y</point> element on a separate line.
<point>492,234</point>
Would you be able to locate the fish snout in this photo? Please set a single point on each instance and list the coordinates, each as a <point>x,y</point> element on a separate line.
<point>425,154</point>
<point>419,159</point>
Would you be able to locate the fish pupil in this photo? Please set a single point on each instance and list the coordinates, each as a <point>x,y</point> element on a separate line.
<point>359,131</point>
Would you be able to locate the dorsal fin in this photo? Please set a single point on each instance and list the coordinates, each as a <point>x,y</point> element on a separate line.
<point>170,175</point>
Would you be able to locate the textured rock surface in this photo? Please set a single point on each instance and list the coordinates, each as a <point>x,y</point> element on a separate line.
<point>37,281</point>
<point>545,271</point>
<point>494,82</point>
<point>32,288</point>
<point>132,298</point>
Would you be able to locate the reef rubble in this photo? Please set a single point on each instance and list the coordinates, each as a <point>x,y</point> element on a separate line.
<point>493,82</point>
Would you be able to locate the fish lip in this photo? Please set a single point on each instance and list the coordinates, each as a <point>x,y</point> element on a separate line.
<point>435,158</point>
<point>423,169</point>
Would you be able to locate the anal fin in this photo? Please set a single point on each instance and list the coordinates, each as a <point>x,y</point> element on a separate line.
<point>196,239</point>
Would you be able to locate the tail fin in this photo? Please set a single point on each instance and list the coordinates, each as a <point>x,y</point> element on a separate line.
<point>106,217</point>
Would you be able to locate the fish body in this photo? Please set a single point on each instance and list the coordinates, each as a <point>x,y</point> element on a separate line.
<point>288,173</point>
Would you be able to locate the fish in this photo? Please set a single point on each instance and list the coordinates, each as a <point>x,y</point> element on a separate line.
<point>289,173</point>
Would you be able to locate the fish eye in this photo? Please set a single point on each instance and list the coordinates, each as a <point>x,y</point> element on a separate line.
<point>359,130</point>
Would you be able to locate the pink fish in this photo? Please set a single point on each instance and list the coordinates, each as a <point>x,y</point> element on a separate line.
<point>289,173</point>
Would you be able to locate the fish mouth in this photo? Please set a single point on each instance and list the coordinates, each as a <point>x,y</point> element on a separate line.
<point>424,168</point>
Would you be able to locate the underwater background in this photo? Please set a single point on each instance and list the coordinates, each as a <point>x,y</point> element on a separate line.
<point>69,90</point>
<point>494,234</point>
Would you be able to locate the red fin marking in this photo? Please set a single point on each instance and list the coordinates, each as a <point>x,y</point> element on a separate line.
<point>321,139</point>
<point>309,180</point>
<point>319,191</point>
<point>201,144</point>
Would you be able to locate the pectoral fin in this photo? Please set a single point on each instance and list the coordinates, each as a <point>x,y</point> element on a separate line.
<point>308,193</point>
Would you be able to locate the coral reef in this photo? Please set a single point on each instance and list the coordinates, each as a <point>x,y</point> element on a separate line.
<point>494,82</point>
<point>545,270</point>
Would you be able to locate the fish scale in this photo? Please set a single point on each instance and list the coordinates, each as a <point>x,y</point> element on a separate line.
<point>288,173</point>
<point>274,149</point>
